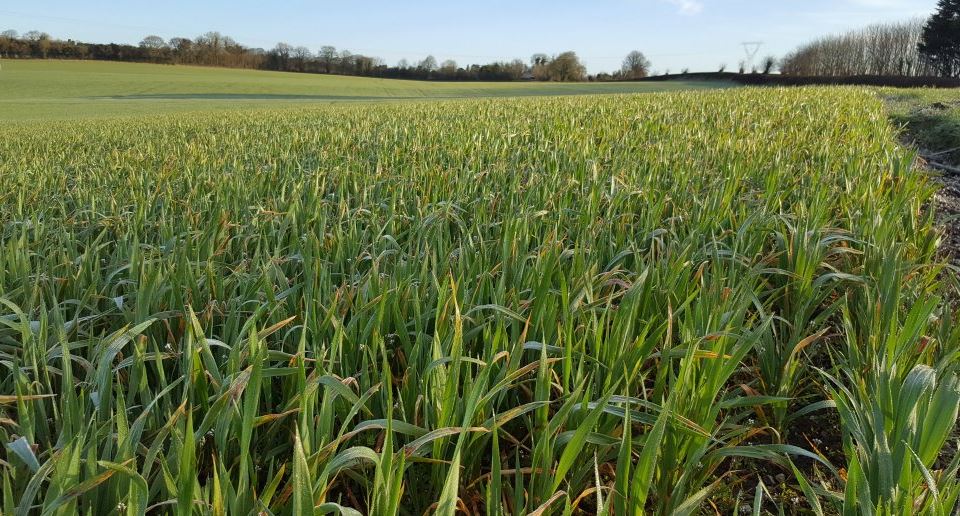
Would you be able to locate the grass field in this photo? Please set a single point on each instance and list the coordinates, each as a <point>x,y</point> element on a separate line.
<point>679,303</point>
<point>44,90</point>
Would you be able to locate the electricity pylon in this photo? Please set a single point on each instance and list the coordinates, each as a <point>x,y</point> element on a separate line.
<point>751,49</point>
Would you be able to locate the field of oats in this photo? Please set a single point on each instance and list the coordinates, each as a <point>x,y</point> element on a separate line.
<point>672,303</point>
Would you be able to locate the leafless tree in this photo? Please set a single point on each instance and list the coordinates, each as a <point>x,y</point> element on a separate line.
<point>301,55</point>
<point>154,46</point>
<point>281,54</point>
<point>429,64</point>
<point>346,62</point>
<point>328,57</point>
<point>36,35</point>
<point>880,49</point>
<point>153,42</point>
<point>449,67</point>
<point>635,65</point>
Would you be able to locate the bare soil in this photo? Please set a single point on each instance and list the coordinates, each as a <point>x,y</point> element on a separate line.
<point>946,205</point>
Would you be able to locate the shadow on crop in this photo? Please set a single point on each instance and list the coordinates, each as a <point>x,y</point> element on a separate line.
<point>934,127</point>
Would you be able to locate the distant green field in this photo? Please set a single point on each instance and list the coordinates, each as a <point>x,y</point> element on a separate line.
<point>42,90</point>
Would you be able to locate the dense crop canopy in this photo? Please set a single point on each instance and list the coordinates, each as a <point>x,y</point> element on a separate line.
<point>503,306</point>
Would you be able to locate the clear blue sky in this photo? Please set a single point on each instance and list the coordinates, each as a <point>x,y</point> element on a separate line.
<point>699,34</point>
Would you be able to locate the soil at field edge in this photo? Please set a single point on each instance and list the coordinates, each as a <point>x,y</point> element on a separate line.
<point>947,206</point>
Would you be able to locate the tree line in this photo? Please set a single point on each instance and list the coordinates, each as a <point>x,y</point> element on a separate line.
<point>913,48</point>
<point>216,49</point>
<point>881,49</point>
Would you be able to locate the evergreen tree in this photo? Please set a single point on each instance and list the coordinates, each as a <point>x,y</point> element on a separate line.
<point>941,38</point>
